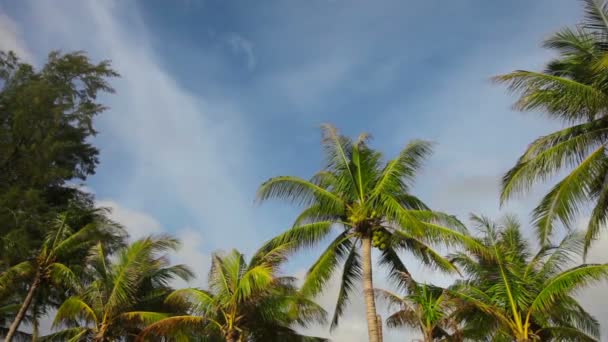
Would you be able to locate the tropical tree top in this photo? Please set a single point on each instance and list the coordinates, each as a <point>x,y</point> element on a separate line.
<point>359,192</point>
<point>121,294</point>
<point>369,202</point>
<point>528,295</point>
<point>572,89</point>
<point>245,301</point>
<point>427,308</point>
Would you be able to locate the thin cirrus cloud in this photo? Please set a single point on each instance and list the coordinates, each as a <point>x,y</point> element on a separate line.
<point>161,146</point>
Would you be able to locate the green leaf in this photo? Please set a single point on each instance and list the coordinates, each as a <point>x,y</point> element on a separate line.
<point>350,274</point>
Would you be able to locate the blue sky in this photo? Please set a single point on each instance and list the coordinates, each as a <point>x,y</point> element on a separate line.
<point>217,96</point>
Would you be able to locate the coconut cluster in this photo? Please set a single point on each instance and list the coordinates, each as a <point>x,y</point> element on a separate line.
<point>381,239</point>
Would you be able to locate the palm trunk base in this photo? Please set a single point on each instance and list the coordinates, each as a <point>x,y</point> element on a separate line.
<point>368,291</point>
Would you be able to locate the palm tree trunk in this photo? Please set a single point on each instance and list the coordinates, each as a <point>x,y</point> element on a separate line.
<point>380,333</point>
<point>23,309</point>
<point>100,336</point>
<point>428,335</point>
<point>368,290</point>
<point>231,336</point>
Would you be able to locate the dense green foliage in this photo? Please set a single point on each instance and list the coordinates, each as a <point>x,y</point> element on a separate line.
<point>60,255</point>
<point>46,122</point>
<point>243,302</point>
<point>56,263</point>
<point>119,296</point>
<point>427,308</point>
<point>524,295</point>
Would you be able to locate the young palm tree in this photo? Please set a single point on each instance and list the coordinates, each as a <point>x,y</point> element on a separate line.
<point>524,296</point>
<point>370,203</point>
<point>55,263</point>
<point>123,294</point>
<point>244,302</point>
<point>427,308</point>
<point>574,90</point>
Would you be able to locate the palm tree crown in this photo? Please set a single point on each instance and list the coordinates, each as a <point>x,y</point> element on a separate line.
<point>428,308</point>
<point>523,295</point>
<point>572,89</point>
<point>57,262</point>
<point>244,302</point>
<point>371,203</point>
<point>122,295</point>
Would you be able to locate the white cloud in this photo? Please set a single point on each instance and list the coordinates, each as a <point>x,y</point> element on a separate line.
<point>11,39</point>
<point>241,45</point>
<point>139,224</point>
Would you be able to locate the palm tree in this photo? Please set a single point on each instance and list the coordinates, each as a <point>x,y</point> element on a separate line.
<point>122,294</point>
<point>244,302</point>
<point>56,261</point>
<point>572,89</point>
<point>370,203</point>
<point>427,308</point>
<point>522,296</point>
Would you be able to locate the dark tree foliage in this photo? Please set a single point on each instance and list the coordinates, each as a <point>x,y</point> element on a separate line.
<point>46,124</point>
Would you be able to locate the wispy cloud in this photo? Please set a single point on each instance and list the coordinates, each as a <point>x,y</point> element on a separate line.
<point>140,225</point>
<point>11,39</point>
<point>242,46</point>
<point>190,147</point>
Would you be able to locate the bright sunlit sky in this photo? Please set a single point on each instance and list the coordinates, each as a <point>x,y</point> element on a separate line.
<point>217,96</point>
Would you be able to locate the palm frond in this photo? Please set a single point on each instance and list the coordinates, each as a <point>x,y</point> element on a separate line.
<point>298,237</point>
<point>321,271</point>
<point>350,274</point>
<point>568,334</point>
<point>74,308</point>
<point>572,42</point>
<point>565,199</point>
<point>549,154</point>
<point>423,252</point>
<point>254,280</point>
<point>337,150</point>
<point>567,282</point>
<point>75,334</point>
<point>398,174</point>
<point>198,301</point>
<point>564,98</point>
<point>299,191</point>
<point>15,273</point>
<point>142,317</point>
<point>171,326</point>
<point>599,214</point>
<point>61,274</point>
<point>398,274</point>
<point>596,16</point>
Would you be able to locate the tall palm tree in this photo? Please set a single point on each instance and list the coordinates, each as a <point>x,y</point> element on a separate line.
<point>524,296</point>
<point>56,261</point>
<point>244,302</point>
<point>572,89</point>
<point>122,294</point>
<point>370,203</point>
<point>428,308</point>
